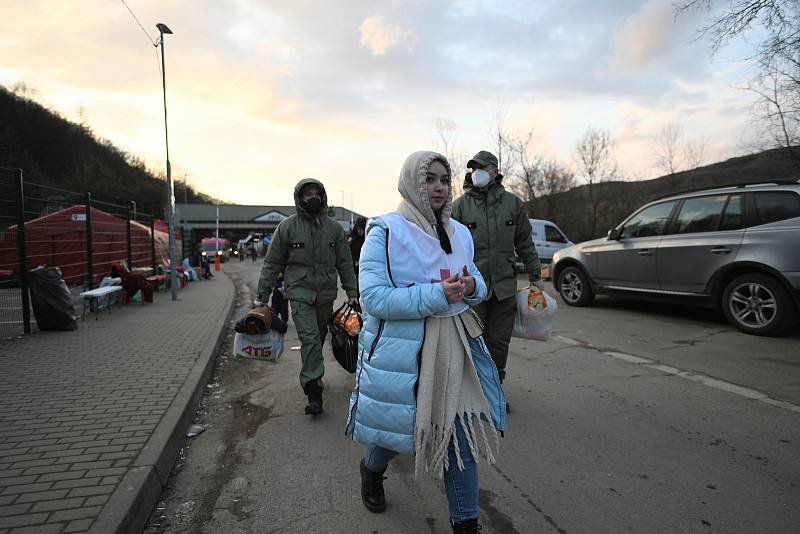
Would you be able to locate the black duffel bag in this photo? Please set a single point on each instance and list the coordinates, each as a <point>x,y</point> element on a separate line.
<point>344,335</point>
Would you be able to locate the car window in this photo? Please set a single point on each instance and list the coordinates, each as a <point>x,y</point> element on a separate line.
<point>648,222</point>
<point>772,206</point>
<point>733,217</point>
<point>552,234</point>
<point>700,214</point>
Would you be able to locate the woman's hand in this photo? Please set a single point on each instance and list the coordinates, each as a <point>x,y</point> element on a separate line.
<point>469,282</point>
<point>454,289</point>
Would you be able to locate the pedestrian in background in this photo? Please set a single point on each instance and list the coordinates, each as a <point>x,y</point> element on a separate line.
<point>425,382</point>
<point>501,231</point>
<point>309,248</point>
<point>356,240</point>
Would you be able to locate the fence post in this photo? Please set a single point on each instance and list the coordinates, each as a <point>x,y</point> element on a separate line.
<point>22,256</point>
<point>89,259</point>
<point>128,236</point>
<point>153,242</point>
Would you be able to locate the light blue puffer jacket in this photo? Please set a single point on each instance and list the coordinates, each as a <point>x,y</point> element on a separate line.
<point>383,403</point>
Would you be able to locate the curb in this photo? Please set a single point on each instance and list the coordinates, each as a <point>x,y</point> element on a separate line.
<point>135,497</point>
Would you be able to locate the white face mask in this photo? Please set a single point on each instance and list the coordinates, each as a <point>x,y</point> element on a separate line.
<point>480,178</point>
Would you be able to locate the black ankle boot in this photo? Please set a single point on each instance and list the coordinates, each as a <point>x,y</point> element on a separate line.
<point>372,489</point>
<point>467,527</point>
<point>314,392</point>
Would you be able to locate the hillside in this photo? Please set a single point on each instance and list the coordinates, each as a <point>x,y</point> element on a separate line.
<point>570,210</point>
<point>55,152</point>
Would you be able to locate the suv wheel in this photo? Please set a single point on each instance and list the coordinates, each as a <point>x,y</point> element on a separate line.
<point>757,304</point>
<point>574,287</point>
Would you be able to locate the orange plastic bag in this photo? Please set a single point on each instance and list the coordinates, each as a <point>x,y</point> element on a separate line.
<point>349,321</point>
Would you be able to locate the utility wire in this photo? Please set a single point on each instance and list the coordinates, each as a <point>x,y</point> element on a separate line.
<point>152,42</point>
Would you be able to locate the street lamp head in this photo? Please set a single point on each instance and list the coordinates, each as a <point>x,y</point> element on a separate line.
<point>163,28</point>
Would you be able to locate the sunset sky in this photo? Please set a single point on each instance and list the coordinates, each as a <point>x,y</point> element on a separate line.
<point>263,93</point>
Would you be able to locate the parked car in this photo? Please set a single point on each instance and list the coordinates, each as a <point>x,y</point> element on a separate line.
<point>548,239</point>
<point>735,248</point>
<point>216,247</point>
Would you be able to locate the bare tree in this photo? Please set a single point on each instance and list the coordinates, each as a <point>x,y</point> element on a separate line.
<point>83,120</point>
<point>778,109</point>
<point>526,175</point>
<point>535,175</point>
<point>666,150</point>
<point>777,20</point>
<point>445,142</point>
<point>595,165</point>
<point>774,28</point>
<point>694,153</point>
<point>23,90</point>
<point>502,140</point>
<point>556,178</point>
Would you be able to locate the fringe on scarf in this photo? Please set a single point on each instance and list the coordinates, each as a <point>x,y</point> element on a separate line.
<point>435,441</point>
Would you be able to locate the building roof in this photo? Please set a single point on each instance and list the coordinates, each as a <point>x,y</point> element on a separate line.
<point>230,213</point>
<point>240,217</point>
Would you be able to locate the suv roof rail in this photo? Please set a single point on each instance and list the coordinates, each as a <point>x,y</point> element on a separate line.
<point>728,187</point>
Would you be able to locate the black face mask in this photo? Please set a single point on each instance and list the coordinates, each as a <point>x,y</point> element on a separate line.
<point>313,205</point>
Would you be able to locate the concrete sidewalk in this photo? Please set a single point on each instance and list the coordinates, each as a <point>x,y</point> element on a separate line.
<point>91,420</point>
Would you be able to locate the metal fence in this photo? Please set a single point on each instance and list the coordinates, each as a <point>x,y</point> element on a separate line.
<point>46,226</point>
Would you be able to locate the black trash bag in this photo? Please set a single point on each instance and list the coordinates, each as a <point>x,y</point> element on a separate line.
<point>51,300</point>
<point>277,324</point>
<point>343,342</point>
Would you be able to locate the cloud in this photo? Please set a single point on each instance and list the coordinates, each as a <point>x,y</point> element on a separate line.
<point>650,36</point>
<point>262,92</point>
<point>379,36</point>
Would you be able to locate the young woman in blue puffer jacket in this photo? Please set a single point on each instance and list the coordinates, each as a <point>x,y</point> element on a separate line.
<point>425,383</point>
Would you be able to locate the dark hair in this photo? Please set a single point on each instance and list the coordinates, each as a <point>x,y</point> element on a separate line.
<point>444,239</point>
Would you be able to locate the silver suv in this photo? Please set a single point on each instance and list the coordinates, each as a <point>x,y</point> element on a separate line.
<point>735,248</point>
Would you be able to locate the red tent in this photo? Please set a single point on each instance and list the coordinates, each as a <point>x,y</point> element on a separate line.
<point>59,240</point>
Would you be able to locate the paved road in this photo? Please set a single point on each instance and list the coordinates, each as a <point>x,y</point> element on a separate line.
<point>630,420</point>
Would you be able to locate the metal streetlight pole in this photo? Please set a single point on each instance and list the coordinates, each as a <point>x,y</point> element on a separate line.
<point>170,209</point>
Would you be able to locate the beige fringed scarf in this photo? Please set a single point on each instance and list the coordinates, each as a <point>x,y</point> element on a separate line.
<point>449,391</point>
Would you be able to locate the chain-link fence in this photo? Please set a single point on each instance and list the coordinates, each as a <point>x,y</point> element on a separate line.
<point>86,239</point>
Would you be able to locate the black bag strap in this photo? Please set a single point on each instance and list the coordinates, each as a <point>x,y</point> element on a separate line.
<point>356,309</point>
<point>335,313</point>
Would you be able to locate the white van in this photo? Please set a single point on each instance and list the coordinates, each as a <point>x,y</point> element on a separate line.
<point>548,239</point>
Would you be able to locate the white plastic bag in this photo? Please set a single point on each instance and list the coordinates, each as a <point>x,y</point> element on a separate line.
<point>267,347</point>
<point>534,324</point>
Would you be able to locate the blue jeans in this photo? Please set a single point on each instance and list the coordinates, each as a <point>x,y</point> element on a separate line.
<point>461,486</point>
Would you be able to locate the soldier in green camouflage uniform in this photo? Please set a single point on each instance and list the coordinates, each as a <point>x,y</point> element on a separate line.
<point>309,248</point>
<point>499,226</point>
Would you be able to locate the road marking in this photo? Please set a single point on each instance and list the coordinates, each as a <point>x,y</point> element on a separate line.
<point>705,380</point>
<point>628,357</point>
<point>569,341</point>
